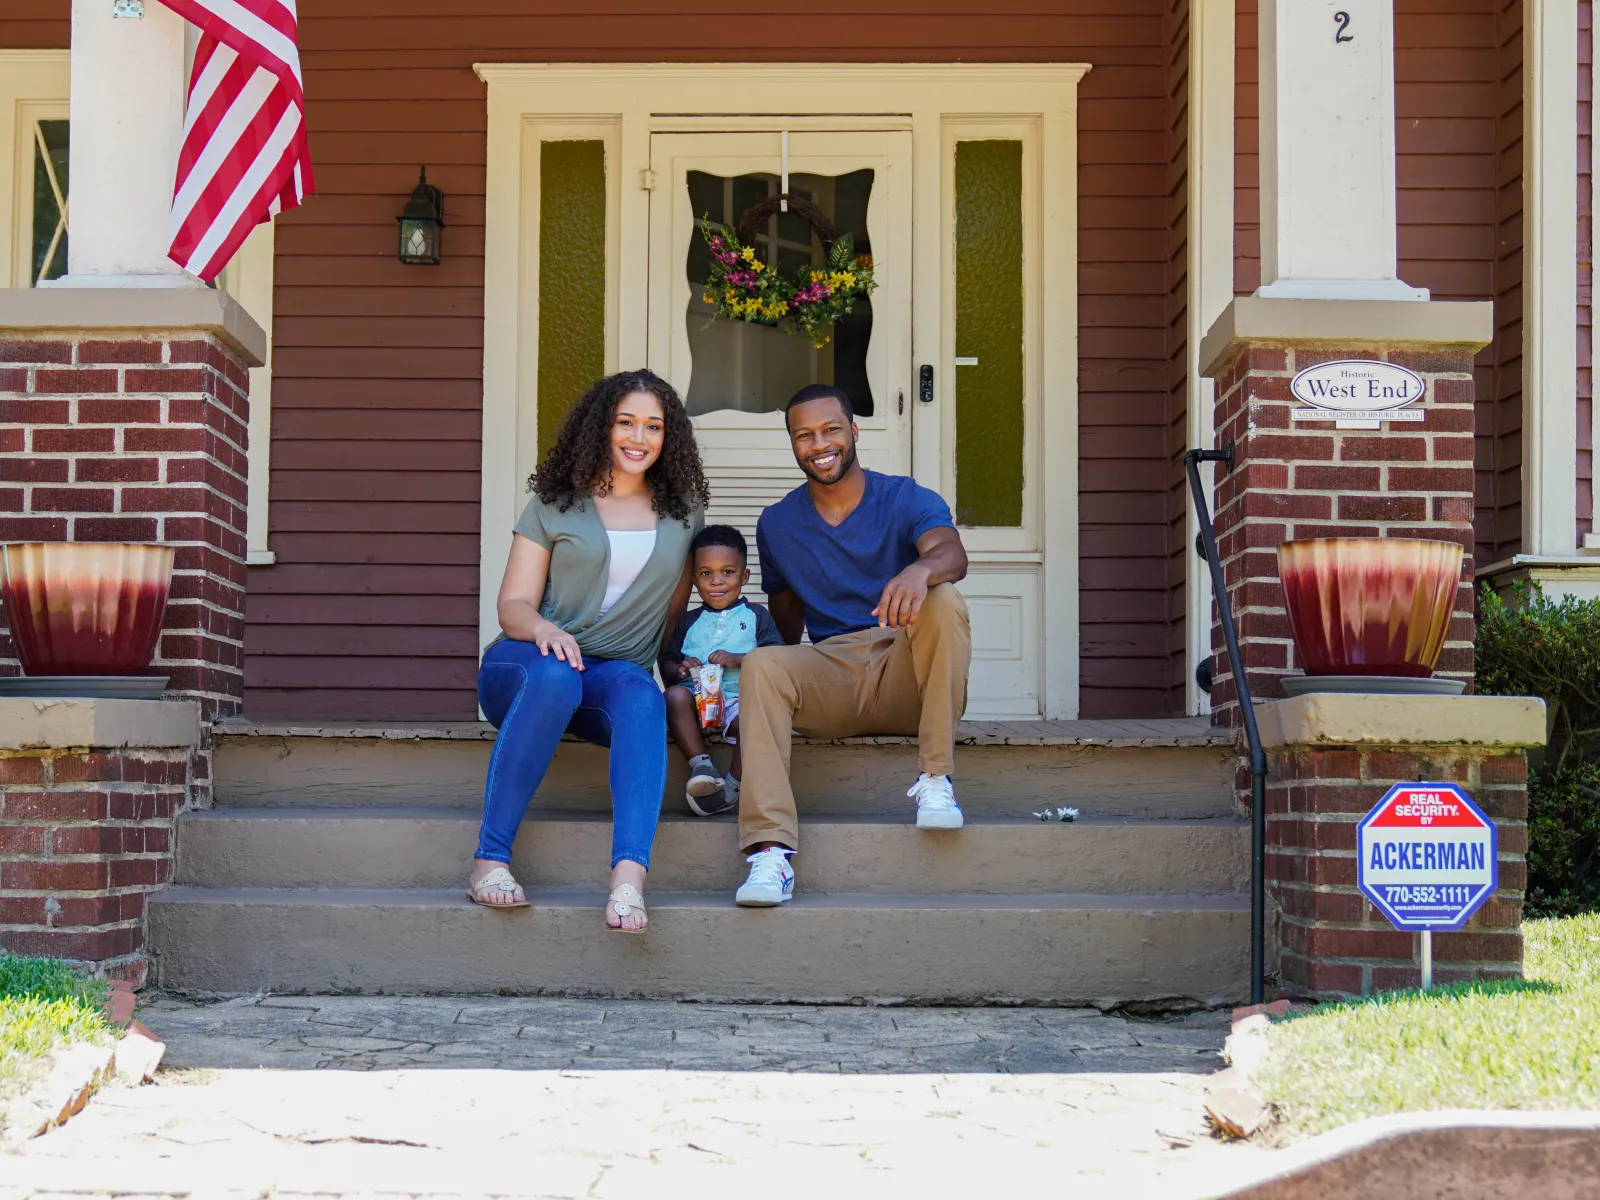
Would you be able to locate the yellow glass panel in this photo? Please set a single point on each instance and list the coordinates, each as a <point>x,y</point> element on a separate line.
<point>572,278</point>
<point>989,389</point>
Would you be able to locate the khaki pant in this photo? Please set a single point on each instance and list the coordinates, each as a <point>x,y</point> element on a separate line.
<point>875,681</point>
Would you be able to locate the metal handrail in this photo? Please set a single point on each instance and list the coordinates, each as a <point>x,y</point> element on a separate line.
<point>1241,687</point>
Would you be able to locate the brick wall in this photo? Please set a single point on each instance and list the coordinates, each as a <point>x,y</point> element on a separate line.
<point>1309,479</point>
<point>85,837</point>
<point>138,437</point>
<point>1331,941</point>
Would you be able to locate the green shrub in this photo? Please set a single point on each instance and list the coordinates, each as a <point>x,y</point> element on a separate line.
<point>1546,648</point>
<point>1537,646</point>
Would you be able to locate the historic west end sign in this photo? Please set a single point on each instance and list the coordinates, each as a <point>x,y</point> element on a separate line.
<point>1357,393</point>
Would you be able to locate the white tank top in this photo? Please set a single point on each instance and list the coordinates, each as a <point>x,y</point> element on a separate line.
<point>630,550</point>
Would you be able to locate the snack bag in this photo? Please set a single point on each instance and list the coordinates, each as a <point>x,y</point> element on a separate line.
<point>708,695</point>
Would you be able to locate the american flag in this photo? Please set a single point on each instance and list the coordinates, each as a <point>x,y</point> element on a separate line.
<point>245,156</point>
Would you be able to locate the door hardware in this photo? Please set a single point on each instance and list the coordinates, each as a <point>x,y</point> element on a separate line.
<point>900,403</point>
<point>925,383</point>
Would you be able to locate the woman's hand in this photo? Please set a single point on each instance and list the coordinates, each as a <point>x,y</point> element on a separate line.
<point>552,639</point>
<point>721,658</point>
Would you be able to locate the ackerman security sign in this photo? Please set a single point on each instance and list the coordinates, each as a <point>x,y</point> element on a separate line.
<point>1427,856</point>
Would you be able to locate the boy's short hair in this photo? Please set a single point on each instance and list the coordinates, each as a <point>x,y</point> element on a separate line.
<point>721,535</point>
<point>819,391</point>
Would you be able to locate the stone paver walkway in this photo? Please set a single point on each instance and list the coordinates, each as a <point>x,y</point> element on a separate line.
<point>437,1096</point>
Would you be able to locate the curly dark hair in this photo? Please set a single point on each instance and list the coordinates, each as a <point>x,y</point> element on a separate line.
<point>579,462</point>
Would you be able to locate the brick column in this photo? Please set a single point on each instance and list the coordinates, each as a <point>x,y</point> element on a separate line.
<point>138,437</point>
<point>1310,479</point>
<point>88,792</point>
<point>1330,758</point>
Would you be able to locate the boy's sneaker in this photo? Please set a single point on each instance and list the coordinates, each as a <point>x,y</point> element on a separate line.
<point>936,802</point>
<point>720,801</point>
<point>771,879</point>
<point>704,781</point>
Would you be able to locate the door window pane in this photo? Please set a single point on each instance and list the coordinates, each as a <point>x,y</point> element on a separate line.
<point>756,368</point>
<point>49,259</point>
<point>572,278</point>
<point>989,389</point>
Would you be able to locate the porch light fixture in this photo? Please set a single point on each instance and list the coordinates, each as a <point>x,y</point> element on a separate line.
<point>420,224</point>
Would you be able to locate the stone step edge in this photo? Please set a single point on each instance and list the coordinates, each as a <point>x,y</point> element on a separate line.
<point>570,897</point>
<point>1110,734</point>
<point>229,810</point>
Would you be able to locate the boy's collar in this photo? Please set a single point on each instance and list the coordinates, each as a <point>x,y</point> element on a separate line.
<point>704,607</point>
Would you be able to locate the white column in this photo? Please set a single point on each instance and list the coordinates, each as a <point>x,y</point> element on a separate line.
<point>127,126</point>
<point>1550,277</point>
<point>1327,151</point>
<point>1211,84</point>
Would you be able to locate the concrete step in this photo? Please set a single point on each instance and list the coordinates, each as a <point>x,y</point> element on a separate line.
<point>410,846</point>
<point>1159,769</point>
<point>1048,949</point>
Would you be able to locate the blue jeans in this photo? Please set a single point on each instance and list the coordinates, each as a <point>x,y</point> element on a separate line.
<point>532,699</point>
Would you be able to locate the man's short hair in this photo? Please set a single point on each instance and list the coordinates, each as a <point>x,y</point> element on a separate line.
<point>721,535</point>
<point>819,391</point>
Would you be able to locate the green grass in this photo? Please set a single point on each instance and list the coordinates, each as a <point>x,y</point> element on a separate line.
<point>44,1006</point>
<point>1530,1044</point>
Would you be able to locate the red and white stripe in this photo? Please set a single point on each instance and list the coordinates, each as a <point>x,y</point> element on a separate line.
<point>245,156</point>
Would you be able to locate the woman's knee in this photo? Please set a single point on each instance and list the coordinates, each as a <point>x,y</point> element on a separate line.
<point>509,674</point>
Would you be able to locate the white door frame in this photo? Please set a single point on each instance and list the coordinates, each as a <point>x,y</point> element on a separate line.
<point>624,103</point>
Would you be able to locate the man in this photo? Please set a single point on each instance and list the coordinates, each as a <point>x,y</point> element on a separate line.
<point>867,564</point>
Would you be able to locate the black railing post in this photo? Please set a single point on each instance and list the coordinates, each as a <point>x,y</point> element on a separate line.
<point>1241,688</point>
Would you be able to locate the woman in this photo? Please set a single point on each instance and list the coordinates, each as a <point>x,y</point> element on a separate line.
<point>599,562</point>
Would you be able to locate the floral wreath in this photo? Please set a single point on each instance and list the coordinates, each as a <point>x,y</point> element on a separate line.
<point>743,288</point>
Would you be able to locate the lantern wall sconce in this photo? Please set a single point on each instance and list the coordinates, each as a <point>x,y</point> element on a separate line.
<point>420,224</point>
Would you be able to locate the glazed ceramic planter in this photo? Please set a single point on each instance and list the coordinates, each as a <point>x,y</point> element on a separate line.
<point>84,608</point>
<point>1370,606</point>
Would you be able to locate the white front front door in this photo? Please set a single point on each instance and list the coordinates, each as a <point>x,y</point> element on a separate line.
<point>736,376</point>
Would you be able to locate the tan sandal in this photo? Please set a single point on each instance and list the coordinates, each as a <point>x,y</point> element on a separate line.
<point>623,900</point>
<point>498,880</point>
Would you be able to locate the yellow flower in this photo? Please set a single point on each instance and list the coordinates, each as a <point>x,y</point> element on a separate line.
<point>748,254</point>
<point>707,298</point>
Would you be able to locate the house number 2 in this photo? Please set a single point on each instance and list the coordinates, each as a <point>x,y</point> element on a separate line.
<point>1342,20</point>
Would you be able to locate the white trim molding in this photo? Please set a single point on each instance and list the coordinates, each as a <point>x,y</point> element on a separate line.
<point>248,279</point>
<point>628,103</point>
<point>1211,184</point>
<point>1550,278</point>
<point>34,84</point>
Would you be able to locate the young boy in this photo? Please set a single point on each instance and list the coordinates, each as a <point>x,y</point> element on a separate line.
<point>722,631</point>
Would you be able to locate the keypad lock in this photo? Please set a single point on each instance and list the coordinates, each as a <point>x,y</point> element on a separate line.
<point>925,383</point>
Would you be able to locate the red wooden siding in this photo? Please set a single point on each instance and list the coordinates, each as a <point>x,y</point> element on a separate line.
<point>35,24</point>
<point>1180,554</point>
<point>371,610</point>
<point>1498,521</point>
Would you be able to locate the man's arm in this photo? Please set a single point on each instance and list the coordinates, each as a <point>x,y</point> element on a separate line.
<point>788,615</point>
<point>941,558</point>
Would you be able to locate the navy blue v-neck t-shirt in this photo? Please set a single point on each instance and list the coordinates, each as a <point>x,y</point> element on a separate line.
<point>838,571</point>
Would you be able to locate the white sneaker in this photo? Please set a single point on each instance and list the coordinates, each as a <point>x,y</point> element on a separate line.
<point>936,802</point>
<point>771,879</point>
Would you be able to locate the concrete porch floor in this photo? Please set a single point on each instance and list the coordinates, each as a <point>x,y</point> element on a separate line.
<point>447,1096</point>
